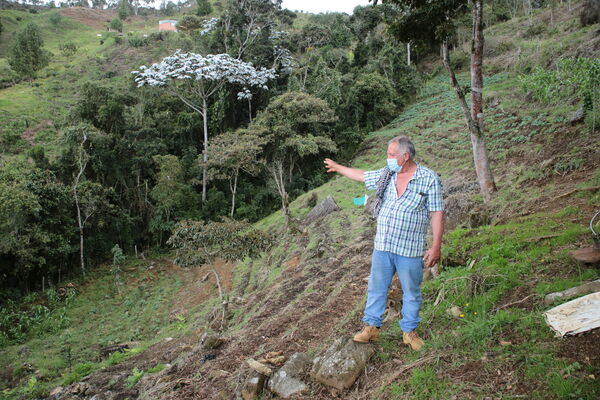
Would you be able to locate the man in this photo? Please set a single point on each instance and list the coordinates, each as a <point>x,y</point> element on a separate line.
<point>409,201</point>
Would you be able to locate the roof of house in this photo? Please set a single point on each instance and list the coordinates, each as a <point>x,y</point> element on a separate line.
<point>164,21</point>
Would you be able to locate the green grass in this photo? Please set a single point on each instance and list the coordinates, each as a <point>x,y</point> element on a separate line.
<point>504,261</point>
<point>97,317</point>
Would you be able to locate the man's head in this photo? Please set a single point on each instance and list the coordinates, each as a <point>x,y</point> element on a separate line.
<point>401,149</point>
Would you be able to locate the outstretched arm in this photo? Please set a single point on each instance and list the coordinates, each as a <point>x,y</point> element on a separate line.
<point>352,173</point>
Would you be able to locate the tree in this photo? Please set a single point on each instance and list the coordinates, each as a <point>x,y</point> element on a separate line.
<point>36,226</point>
<point>245,22</point>
<point>194,78</point>
<point>371,102</point>
<point>27,54</point>
<point>123,11</point>
<point>433,23</point>
<point>232,153</point>
<point>89,197</point>
<point>204,8</point>
<point>189,23</point>
<point>296,126</point>
<point>199,242</point>
<point>174,198</point>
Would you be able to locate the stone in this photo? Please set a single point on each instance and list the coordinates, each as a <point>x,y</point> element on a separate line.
<point>588,287</point>
<point>56,391</point>
<point>79,388</point>
<point>577,116</point>
<point>212,342</point>
<point>321,210</point>
<point>588,255</point>
<point>286,382</point>
<point>259,367</point>
<point>454,311</point>
<point>342,363</point>
<point>253,387</point>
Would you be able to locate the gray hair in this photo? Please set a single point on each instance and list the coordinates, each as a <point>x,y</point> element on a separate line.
<point>404,145</point>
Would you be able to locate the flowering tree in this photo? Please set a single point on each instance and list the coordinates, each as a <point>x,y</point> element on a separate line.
<point>194,78</point>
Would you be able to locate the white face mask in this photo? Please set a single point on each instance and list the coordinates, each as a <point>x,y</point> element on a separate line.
<point>392,164</point>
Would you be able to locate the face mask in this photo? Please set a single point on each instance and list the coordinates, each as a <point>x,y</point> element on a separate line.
<point>392,164</point>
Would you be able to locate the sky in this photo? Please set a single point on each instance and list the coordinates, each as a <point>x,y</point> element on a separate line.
<point>318,6</point>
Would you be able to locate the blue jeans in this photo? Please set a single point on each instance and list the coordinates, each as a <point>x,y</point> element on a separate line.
<point>410,272</point>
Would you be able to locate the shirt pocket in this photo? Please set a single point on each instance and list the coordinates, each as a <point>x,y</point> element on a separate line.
<point>414,199</point>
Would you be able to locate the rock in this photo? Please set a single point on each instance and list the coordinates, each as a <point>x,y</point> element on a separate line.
<point>588,255</point>
<point>286,382</point>
<point>479,216</point>
<point>212,342</point>
<point>454,311</point>
<point>277,360</point>
<point>586,288</point>
<point>253,387</point>
<point>547,163</point>
<point>259,367</point>
<point>321,210</point>
<point>218,374</point>
<point>79,388</point>
<point>56,391</point>
<point>577,116</point>
<point>342,363</point>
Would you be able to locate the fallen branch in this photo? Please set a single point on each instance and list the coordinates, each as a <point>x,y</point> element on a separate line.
<point>410,366</point>
<point>513,303</point>
<point>587,189</point>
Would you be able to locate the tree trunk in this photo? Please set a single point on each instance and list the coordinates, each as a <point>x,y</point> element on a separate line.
<point>482,167</point>
<point>279,179</point>
<point>233,187</point>
<point>82,162</point>
<point>408,53</point>
<point>80,225</point>
<point>205,153</point>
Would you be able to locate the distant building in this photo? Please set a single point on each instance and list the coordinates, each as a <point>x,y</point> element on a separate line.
<point>167,25</point>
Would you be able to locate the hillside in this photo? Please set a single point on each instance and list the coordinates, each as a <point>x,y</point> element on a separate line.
<point>499,261</point>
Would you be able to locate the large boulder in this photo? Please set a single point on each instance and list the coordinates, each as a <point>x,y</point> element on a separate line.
<point>321,210</point>
<point>342,363</point>
<point>286,382</point>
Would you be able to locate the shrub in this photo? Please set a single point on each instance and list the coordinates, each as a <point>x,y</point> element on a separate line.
<point>579,78</point>
<point>534,30</point>
<point>116,24</point>
<point>55,18</point>
<point>68,48</point>
<point>137,41</point>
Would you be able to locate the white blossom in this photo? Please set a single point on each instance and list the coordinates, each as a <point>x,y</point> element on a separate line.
<point>284,58</point>
<point>211,68</point>
<point>208,26</point>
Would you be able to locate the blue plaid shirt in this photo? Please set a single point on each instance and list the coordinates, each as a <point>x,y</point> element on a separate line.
<point>403,221</point>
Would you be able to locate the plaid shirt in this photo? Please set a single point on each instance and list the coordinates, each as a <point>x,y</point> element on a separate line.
<point>402,222</point>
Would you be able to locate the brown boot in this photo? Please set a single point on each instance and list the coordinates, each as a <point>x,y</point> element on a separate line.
<point>369,333</point>
<point>413,340</point>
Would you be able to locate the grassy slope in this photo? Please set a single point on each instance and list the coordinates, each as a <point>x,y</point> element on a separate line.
<point>503,353</point>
